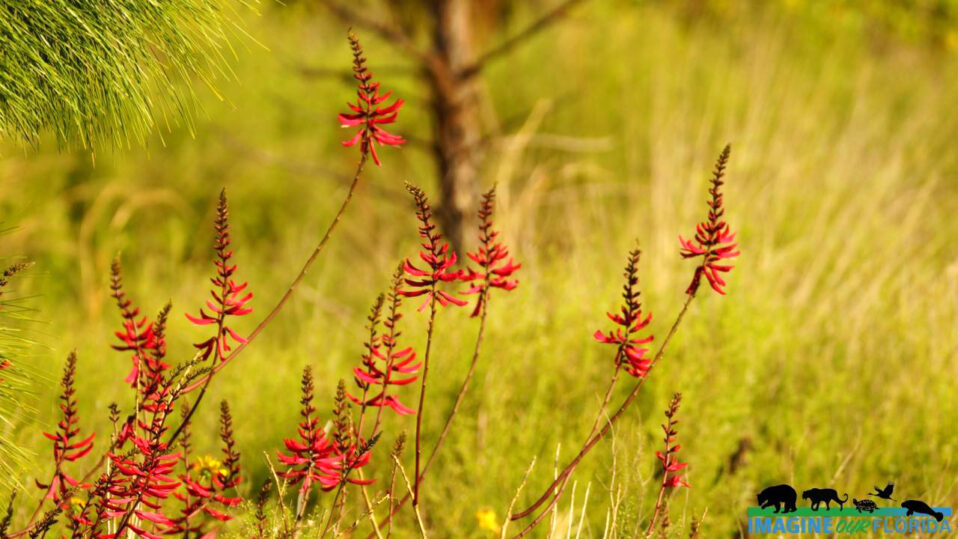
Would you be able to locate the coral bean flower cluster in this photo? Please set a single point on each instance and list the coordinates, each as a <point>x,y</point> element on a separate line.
<point>671,466</point>
<point>631,353</point>
<point>228,297</point>
<point>439,259</point>
<point>493,271</point>
<point>314,458</point>
<point>367,114</point>
<point>385,364</point>
<point>713,239</point>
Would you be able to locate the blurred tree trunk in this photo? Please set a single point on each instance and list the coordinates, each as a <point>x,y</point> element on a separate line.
<point>450,66</point>
<point>456,122</point>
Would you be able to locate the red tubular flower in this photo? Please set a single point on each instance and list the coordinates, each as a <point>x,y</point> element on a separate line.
<point>228,298</point>
<point>631,354</point>
<point>713,239</point>
<point>312,458</point>
<point>671,466</point>
<point>384,364</point>
<point>493,272</point>
<point>68,446</point>
<point>367,113</point>
<point>146,480</point>
<point>137,334</point>
<point>437,256</point>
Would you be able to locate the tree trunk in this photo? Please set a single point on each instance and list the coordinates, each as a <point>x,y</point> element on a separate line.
<point>455,103</point>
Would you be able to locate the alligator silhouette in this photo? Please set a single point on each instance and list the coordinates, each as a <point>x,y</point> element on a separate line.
<point>918,506</point>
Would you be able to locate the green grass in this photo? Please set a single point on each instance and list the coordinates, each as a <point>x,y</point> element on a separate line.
<point>832,360</point>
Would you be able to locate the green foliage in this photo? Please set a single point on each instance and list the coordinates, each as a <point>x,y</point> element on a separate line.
<point>105,72</point>
<point>832,360</point>
<point>17,379</point>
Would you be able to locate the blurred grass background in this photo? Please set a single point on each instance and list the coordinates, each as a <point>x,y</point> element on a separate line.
<point>830,364</point>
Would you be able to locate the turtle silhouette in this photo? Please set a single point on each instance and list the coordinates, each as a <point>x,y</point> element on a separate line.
<point>918,506</point>
<point>864,505</point>
<point>884,493</point>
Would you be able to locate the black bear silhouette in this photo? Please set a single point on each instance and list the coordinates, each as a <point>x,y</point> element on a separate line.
<point>884,493</point>
<point>818,495</point>
<point>778,496</point>
<point>918,506</point>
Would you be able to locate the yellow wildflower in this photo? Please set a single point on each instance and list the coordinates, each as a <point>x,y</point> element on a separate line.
<point>486,520</point>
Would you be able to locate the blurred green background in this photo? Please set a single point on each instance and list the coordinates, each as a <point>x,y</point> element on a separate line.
<point>831,363</point>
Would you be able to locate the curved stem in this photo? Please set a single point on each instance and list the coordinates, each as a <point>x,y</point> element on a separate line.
<point>279,305</point>
<point>607,427</point>
<point>595,427</point>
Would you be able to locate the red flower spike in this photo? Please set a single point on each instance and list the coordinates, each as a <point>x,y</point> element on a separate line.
<point>384,364</point>
<point>367,114</point>
<point>670,465</point>
<point>629,319</point>
<point>713,238</point>
<point>312,459</point>
<point>229,299</point>
<point>437,256</point>
<point>493,271</point>
<point>68,446</point>
<point>137,334</point>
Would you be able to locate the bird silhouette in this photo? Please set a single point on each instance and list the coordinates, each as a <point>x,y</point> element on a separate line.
<point>884,493</point>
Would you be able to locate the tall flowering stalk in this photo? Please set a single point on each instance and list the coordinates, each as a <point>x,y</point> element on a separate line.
<point>229,300</point>
<point>671,466</point>
<point>368,118</point>
<point>228,297</point>
<point>312,458</point>
<point>630,353</point>
<point>137,334</point>
<point>711,250</point>
<point>439,260</point>
<point>493,269</point>
<point>68,444</point>
<point>714,240</point>
<point>367,114</point>
<point>385,364</point>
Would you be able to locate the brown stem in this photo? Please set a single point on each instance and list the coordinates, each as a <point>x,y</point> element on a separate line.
<point>462,389</point>
<point>393,509</point>
<point>422,395</point>
<point>608,426</point>
<point>661,497</point>
<point>279,305</point>
<point>595,426</point>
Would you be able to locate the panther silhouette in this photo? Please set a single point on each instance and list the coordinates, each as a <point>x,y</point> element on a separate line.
<point>818,495</point>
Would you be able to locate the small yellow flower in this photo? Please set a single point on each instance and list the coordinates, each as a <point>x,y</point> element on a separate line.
<point>486,520</point>
<point>208,466</point>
